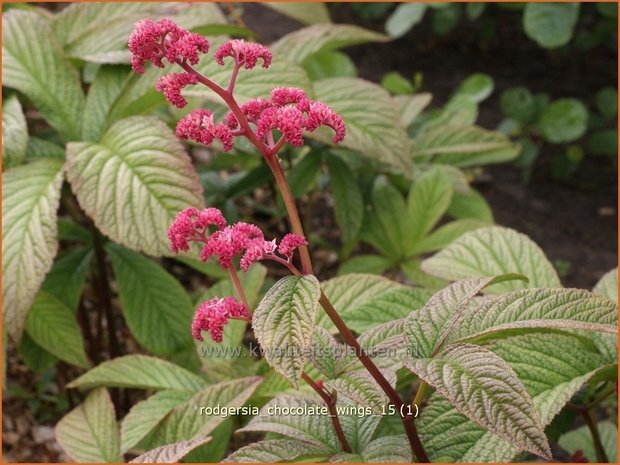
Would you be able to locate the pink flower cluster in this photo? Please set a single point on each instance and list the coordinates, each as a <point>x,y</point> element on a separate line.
<point>228,241</point>
<point>244,53</point>
<point>200,127</point>
<point>155,40</point>
<point>213,315</point>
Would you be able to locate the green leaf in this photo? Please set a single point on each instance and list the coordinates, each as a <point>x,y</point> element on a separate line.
<point>485,389</point>
<point>446,19</point>
<point>328,65</point>
<point>581,439</point>
<point>490,252</point>
<point>41,148</point>
<point>428,200</point>
<point>14,133</point>
<point>34,64</point>
<point>147,414</point>
<point>53,326</point>
<point>428,328</point>
<point>551,377</point>
<point>65,281</point>
<point>277,450</point>
<point>185,422</point>
<point>284,321</point>
<point>157,309</point>
<point>304,174</point>
<point>477,87</point>
<point>139,372</point>
<point>608,285</point>
<point>390,224</point>
<point>447,234</point>
<point>539,308</point>
<point>134,182</point>
<point>171,453</point>
<point>463,146</point>
<point>365,300</point>
<point>474,10</point>
<point>326,353</point>
<point>470,205</point>
<point>410,106</point>
<point>302,43</point>
<point>30,198</point>
<point>371,118</point>
<point>518,103</point>
<point>373,264</point>
<point>386,344</point>
<point>564,120</point>
<point>392,449</point>
<point>604,142</point>
<point>551,25</point>
<point>404,17</point>
<point>607,102</point>
<point>34,356</point>
<point>348,201</point>
<point>89,433</point>
<point>362,389</point>
<point>306,13</point>
<point>396,83</point>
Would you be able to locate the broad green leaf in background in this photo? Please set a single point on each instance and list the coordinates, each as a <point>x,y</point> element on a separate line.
<point>327,353</point>
<point>366,300</point>
<point>607,102</point>
<point>14,133</point>
<point>403,18</point>
<point>446,234</point>
<point>428,328</point>
<point>373,264</point>
<point>608,285</point>
<point>139,372</point>
<point>34,356</point>
<point>551,25</point>
<point>171,453</point>
<point>146,415</point>
<point>460,111</point>
<point>490,252</point>
<point>410,106</point>
<point>65,281</point>
<point>304,174</point>
<point>518,103</point>
<point>539,308</point>
<point>30,198</point>
<point>185,422</point>
<point>34,64</point>
<point>348,201</point>
<point>277,450</point>
<point>89,432</point>
<point>328,65</point>
<point>300,44</point>
<point>157,309</point>
<point>134,182</point>
<point>284,321</point>
<point>463,146</point>
<point>41,148</point>
<point>551,377</point>
<point>376,133</point>
<point>306,13</point>
<point>484,388</point>
<point>581,439</point>
<point>564,120</point>
<point>470,204</point>
<point>53,326</point>
<point>477,87</point>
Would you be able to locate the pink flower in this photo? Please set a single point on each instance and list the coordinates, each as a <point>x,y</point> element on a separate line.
<point>171,84</point>
<point>244,53</point>
<point>288,120</point>
<point>213,315</point>
<point>289,244</point>
<point>200,127</point>
<point>321,114</point>
<point>230,242</point>
<point>191,225</point>
<point>281,96</point>
<point>154,40</point>
<point>258,249</point>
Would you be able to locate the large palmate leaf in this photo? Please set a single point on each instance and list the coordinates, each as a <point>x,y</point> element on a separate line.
<point>307,13</point>
<point>34,63</point>
<point>53,326</point>
<point>284,321</point>
<point>299,45</point>
<point>278,450</point>
<point>428,327</point>
<point>14,133</point>
<point>89,433</point>
<point>490,252</point>
<point>134,182</point>
<point>171,453</point>
<point>30,197</point>
<point>366,300</point>
<point>463,146</point>
<point>156,307</point>
<point>551,377</point>
<point>486,390</point>
<point>539,308</point>
<point>371,118</point>
<point>186,422</point>
<point>147,414</point>
<point>140,372</point>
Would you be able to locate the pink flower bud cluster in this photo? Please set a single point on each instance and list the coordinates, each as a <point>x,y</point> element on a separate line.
<point>200,127</point>
<point>213,315</point>
<point>155,40</point>
<point>228,241</point>
<point>244,53</point>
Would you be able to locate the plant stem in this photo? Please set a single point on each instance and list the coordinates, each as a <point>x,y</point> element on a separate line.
<point>330,401</point>
<point>419,396</point>
<point>590,419</point>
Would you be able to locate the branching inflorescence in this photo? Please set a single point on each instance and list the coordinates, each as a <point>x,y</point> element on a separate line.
<point>267,123</point>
